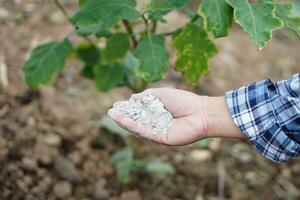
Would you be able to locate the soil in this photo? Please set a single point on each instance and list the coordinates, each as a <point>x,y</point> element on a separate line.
<point>52,145</point>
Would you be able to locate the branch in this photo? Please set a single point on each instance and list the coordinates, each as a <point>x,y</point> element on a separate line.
<point>172,32</point>
<point>169,33</point>
<point>154,26</point>
<point>63,10</point>
<point>65,13</point>
<point>146,24</point>
<point>130,32</point>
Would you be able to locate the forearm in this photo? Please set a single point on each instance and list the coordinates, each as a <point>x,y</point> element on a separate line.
<point>219,121</point>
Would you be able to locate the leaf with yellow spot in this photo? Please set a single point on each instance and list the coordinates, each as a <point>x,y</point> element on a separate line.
<point>194,49</point>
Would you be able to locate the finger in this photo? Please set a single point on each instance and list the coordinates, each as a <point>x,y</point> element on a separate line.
<point>116,116</point>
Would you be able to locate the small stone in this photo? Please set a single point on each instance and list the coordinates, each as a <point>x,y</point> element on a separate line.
<point>75,157</point>
<point>240,153</point>
<point>22,185</point>
<point>35,190</point>
<point>286,173</point>
<point>31,121</point>
<point>199,197</point>
<point>178,158</point>
<point>215,144</point>
<point>62,189</point>
<point>28,180</point>
<point>52,140</point>
<point>100,193</point>
<point>29,163</point>
<point>66,169</point>
<point>296,168</point>
<point>199,155</point>
<point>41,172</point>
<point>45,184</point>
<point>131,195</point>
<point>43,152</point>
<point>4,14</point>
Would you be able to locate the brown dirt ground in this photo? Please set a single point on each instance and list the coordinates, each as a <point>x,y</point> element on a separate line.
<point>63,120</point>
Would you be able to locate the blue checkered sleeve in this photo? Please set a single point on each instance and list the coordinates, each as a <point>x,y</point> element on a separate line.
<point>268,114</point>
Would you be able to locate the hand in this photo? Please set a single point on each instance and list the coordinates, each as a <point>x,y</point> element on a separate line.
<point>195,117</point>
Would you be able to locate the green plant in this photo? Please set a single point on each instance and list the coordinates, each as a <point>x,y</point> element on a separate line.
<point>133,56</point>
<point>124,160</point>
<point>125,163</point>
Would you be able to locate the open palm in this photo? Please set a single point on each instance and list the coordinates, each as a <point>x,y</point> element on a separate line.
<point>188,110</point>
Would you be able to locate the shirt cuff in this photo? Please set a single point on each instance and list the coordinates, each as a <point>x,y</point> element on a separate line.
<point>253,113</point>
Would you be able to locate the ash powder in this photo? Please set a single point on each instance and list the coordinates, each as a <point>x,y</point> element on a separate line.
<point>149,111</point>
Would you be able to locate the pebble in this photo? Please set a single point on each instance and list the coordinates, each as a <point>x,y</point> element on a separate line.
<point>66,169</point>
<point>131,195</point>
<point>45,184</point>
<point>62,189</point>
<point>199,155</point>
<point>75,157</point>
<point>100,193</point>
<point>29,163</point>
<point>43,152</point>
<point>240,153</point>
<point>28,180</point>
<point>22,185</point>
<point>52,140</point>
<point>4,13</point>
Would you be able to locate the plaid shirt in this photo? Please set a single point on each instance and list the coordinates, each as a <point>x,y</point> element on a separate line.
<point>268,114</point>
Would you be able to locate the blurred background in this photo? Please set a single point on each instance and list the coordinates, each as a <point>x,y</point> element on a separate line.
<point>55,143</point>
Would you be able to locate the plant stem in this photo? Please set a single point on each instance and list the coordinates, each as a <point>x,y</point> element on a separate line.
<point>169,33</point>
<point>63,10</point>
<point>65,13</point>
<point>146,23</point>
<point>130,32</point>
<point>172,32</point>
<point>154,26</point>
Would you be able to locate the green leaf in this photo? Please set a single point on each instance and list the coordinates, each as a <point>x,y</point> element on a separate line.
<point>158,8</point>
<point>45,61</point>
<point>88,72</point>
<point>108,76</point>
<point>116,48</point>
<point>105,12</point>
<point>138,164</point>
<point>217,16</point>
<point>194,49</point>
<point>160,168</point>
<point>108,124</point>
<point>122,160</point>
<point>89,54</point>
<point>154,57</point>
<point>257,19</point>
<point>284,12</point>
<point>131,78</point>
<point>82,2</point>
<point>93,29</point>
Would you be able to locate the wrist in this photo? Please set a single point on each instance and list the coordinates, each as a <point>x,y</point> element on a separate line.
<point>219,121</point>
